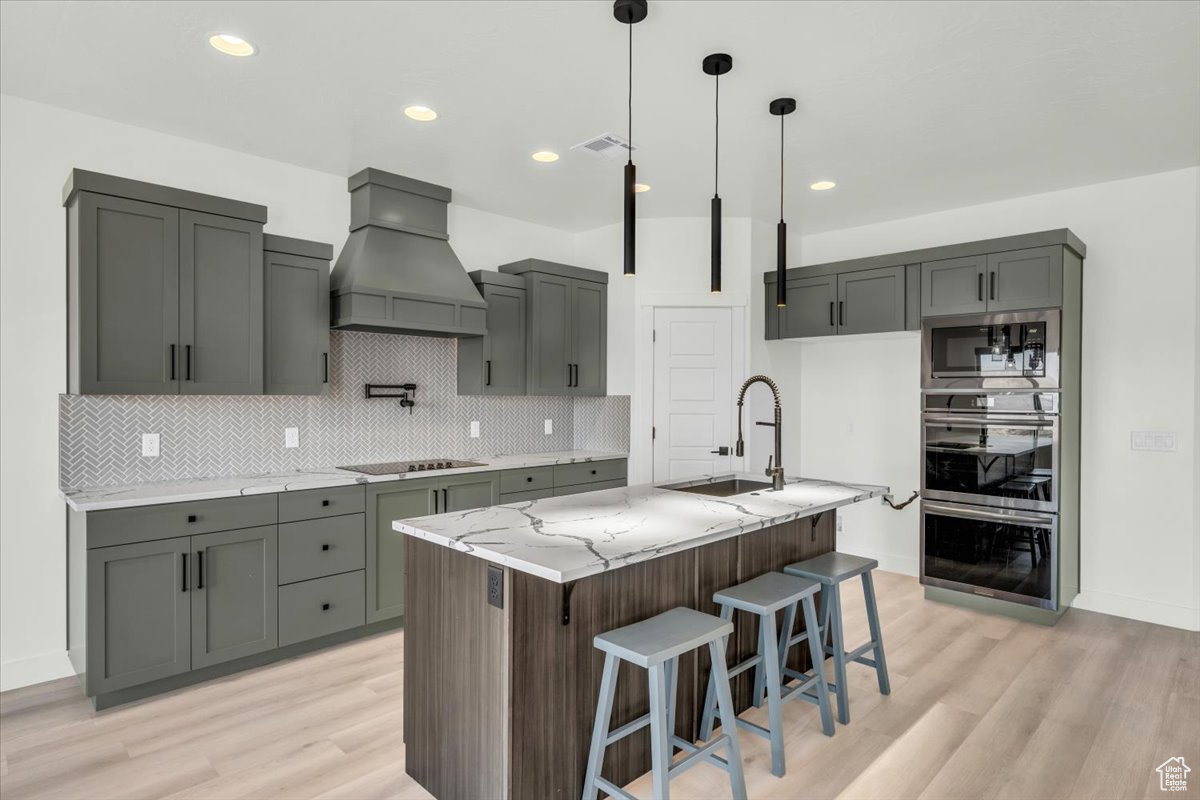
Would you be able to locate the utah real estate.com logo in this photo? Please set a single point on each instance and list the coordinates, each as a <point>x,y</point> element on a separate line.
<point>1172,775</point>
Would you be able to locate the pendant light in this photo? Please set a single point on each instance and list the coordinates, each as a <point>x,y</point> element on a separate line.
<point>629,13</point>
<point>781,107</point>
<point>716,65</point>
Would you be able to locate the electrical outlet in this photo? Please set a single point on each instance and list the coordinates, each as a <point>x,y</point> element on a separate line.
<point>495,586</point>
<point>474,429</point>
<point>150,445</point>
<point>549,427</point>
<point>291,437</point>
<point>1160,441</point>
<point>839,524</point>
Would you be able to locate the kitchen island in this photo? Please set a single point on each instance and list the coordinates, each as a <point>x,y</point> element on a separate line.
<point>502,604</point>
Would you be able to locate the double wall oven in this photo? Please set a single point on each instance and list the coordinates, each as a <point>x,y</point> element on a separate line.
<point>990,449</point>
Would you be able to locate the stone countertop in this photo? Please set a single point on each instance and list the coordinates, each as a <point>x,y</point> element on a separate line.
<point>154,493</point>
<point>565,538</point>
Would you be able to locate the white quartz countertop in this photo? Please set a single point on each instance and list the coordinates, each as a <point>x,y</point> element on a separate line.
<point>566,538</point>
<point>154,493</point>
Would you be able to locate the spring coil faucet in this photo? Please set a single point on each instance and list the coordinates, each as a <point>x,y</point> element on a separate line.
<point>775,473</point>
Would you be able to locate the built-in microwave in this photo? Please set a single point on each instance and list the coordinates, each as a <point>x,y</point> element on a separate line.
<point>1016,350</point>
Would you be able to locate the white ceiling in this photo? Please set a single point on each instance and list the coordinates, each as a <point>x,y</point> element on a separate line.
<point>910,107</point>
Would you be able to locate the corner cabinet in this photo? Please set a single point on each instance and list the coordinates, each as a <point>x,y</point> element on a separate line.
<point>567,336</point>
<point>494,364</point>
<point>165,289</point>
<point>296,317</point>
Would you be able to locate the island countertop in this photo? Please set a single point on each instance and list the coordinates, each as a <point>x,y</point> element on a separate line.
<point>563,539</point>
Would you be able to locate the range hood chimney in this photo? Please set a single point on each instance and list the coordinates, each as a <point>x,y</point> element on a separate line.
<point>397,273</point>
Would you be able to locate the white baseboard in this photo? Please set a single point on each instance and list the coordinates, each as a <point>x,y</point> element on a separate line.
<point>36,669</point>
<point>1118,605</point>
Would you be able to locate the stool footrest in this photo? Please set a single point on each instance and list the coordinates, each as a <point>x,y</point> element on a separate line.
<point>705,752</point>
<point>867,662</point>
<point>612,789</point>
<point>854,654</point>
<point>628,728</point>
<point>745,665</point>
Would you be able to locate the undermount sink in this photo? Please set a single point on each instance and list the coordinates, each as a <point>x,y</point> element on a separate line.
<point>725,488</point>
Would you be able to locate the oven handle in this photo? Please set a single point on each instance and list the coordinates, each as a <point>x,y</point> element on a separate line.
<point>980,419</point>
<point>998,516</point>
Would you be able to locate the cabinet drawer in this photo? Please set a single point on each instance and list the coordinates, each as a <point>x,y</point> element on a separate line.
<point>582,488</point>
<point>148,523</point>
<point>319,607</point>
<point>318,547</point>
<point>520,497</point>
<point>526,480</point>
<point>588,472</point>
<point>316,503</point>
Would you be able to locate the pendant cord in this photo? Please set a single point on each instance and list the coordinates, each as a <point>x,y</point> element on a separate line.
<point>781,168</point>
<point>630,108</point>
<point>717,136</point>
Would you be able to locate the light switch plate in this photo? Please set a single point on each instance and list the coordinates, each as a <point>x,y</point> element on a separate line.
<point>150,445</point>
<point>549,427</point>
<point>291,437</point>
<point>474,429</point>
<point>1158,441</point>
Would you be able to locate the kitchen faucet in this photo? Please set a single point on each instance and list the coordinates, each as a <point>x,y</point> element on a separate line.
<point>775,473</point>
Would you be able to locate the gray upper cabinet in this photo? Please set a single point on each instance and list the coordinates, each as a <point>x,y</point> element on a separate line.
<point>296,325</point>
<point>495,364</point>
<point>138,613</point>
<point>165,289</point>
<point>235,610</point>
<point>810,309</point>
<point>567,337</point>
<point>954,286</point>
<point>1022,279</point>
<point>871,300</point>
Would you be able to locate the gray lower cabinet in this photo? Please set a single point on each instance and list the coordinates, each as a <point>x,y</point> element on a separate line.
<point>234,599</point>
<point>495,364</point>
<point>139,614</point>
<point>385,547</point>
<point>871,300</point>
<point>811,307</point>
<point>320,607</point>
<point>463,492</point>
<point>1022,279</point>
<point>296,324</point>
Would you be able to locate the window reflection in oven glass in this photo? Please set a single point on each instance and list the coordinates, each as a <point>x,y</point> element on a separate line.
<point>994,555</point>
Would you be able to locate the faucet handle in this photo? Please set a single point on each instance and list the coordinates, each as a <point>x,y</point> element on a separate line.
<point>769,460</point>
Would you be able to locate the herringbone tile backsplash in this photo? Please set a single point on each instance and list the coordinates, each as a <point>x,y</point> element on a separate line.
<point>210,436</point>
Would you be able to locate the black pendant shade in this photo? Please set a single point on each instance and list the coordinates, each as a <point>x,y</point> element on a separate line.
<point>716,65</point>
<point>629,13</point>
<point>781,107</point>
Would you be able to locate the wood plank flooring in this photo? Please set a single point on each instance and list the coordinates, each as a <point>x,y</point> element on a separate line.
<point>981,707</point>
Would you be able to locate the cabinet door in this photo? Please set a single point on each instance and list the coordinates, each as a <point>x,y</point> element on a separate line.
<point>1023,279</point>
<point>138,614</point>
<point>953,286</point>
<point>220,304</point>
<point>296,360</point>
<point>810,309</point>
<point>504,346</point>
<point>549,333</point>
<point>235,610</point>
<point>127,254</point>
<point>470,491</point>
<point>386,503</point>
<point>871,300</point>
<point>589,334</point>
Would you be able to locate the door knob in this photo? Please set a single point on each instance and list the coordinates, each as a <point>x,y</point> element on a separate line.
<point>721,451</point>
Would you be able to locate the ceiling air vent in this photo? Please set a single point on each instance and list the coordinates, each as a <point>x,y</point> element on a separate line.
<point>607,145</point>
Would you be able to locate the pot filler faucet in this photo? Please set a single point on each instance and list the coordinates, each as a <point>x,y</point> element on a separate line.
<point>775,473</point>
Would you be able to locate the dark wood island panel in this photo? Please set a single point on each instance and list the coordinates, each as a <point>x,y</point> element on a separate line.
<point>499,703</point>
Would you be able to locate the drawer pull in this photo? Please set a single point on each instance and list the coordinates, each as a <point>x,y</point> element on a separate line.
<point>529,479</point>
<point>191,517</point>
<point>593,472</point>
<point>325,503</point>
<point>324,547</point>
<point>324,606</point>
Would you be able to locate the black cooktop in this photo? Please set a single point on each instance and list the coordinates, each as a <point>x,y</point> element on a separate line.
<point>395,467</point>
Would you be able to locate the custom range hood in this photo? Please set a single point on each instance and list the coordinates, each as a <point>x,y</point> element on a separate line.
<point>397,273</point>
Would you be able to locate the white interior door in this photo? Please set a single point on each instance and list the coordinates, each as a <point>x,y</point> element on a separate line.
<point>693,391</point>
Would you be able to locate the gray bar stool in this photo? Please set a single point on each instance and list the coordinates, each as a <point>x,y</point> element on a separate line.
<point>831,569</point>
<point>655,645</point>
<point>763,596</point>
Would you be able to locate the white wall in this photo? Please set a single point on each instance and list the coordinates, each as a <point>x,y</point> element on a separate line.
<point>1140,543</point>
<point>39,145</point>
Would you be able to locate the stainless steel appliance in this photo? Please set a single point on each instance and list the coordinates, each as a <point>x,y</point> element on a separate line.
<point>397,467</point>
<point>1017,350</point>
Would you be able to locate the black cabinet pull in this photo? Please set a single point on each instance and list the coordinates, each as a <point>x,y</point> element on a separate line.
<point>172,362</point>
<point>981,287</point>
<point>529,479</point>
<point>324,606</point>
<point>200,569</point>
<point>325,503</point>
<point>841,312</point>
<point>435,500</point>
<point>187,360</point>
<point>487,381</point>
<point>324,547</point>
<point>184,587</point>
<point>593,472</point>
<point>191,517</point>
<point>325,357</point>
<point>992,285</point>
<point>831,313</point>
<point>445,500</point>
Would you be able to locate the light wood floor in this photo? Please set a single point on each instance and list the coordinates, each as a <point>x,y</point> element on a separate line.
<point>981,707</point>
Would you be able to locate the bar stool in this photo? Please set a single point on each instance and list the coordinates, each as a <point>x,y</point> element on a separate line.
<point>831,569</point>
<point>655,645</point>
<point>763,596</point>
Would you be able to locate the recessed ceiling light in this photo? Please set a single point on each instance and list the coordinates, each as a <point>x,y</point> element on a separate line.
<point>641,187</point>
<point>420,113</point>
<point>545,156</point>
<point>231,45</point>
<point>821,186</point>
